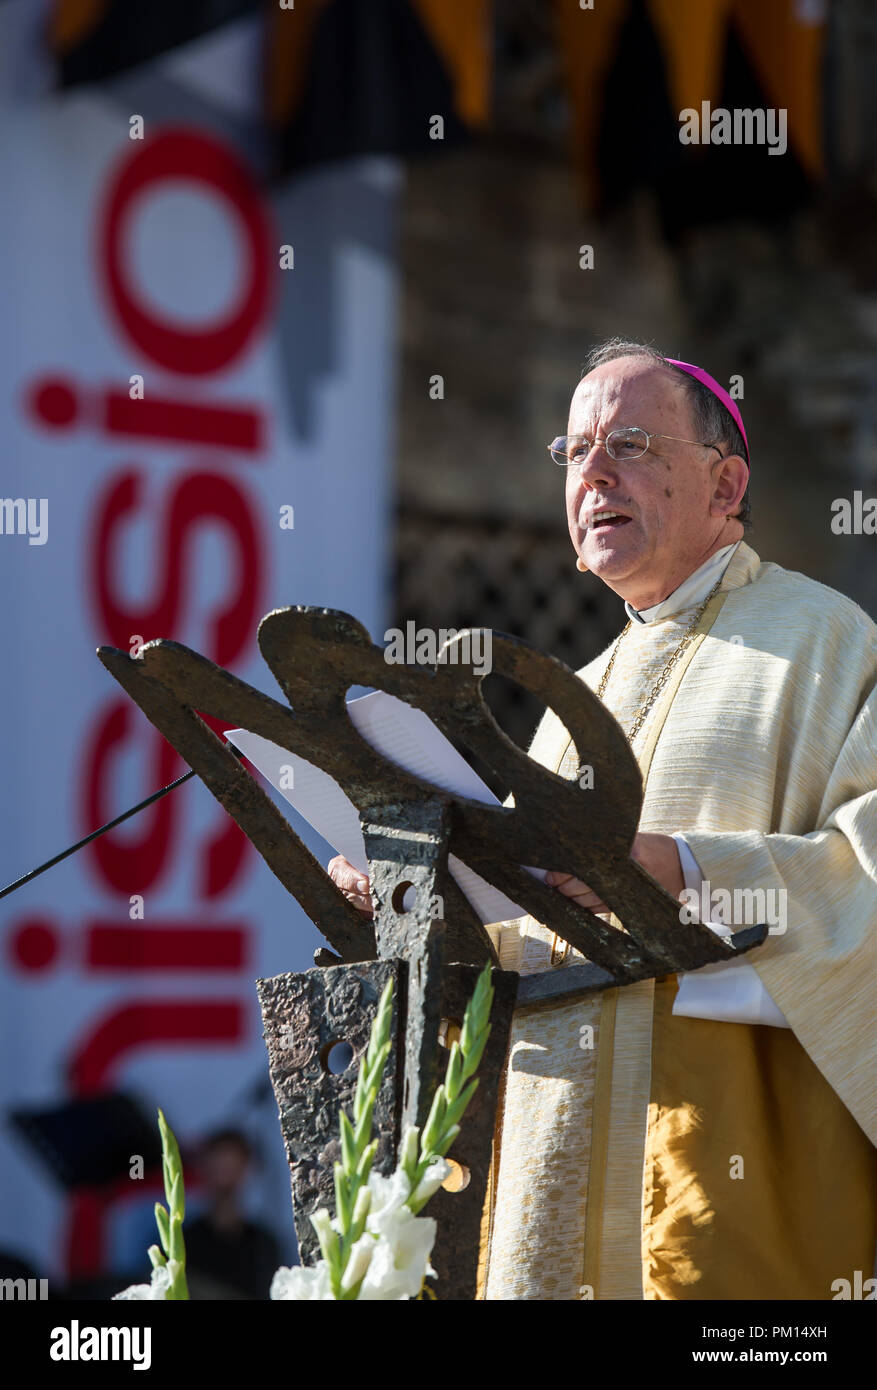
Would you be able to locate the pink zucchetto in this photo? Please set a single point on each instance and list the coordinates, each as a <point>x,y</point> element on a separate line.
<point>719,392</point>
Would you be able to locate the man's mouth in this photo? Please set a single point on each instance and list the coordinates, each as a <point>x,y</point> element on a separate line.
<point>606,519</point>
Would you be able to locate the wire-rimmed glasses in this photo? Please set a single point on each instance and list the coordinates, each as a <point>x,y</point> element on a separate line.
<point>630,442</point>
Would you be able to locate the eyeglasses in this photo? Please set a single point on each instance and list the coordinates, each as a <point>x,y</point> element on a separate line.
<point>621,445</point>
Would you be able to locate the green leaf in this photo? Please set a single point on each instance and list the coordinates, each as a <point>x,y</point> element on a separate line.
<point>342,1203</point>
<point>170,1223</point>
<point>366,1161</point>
<point>408,1157</point>
<point>179,1288</point>
<point>348,1144</point>
<point>453,1074</point>
<point>176,1197</point>
<point>380,1032</point>
<point>328,1238</point>
<point>475,1053</point>
<point>172,1167</point>
<point>477,1010</point>
<point>455,1111</point>
<point>361,1208</point>
<point>176,1249</point>
<point>360,1093</point>
<point>453,1096</point>
<point>433,1126</point>
<point>357,1153</point>
<point>447,1140</point>
<point>375,1071</point>
<point>168,1141</point>
<point>363,1126</point>
<point>162,1221</point>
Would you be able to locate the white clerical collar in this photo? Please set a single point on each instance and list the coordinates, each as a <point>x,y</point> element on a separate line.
<point>691,590</point>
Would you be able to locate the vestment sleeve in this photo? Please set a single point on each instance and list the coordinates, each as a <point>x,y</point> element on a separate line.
<point>727,993</point>
<point>822,970</point>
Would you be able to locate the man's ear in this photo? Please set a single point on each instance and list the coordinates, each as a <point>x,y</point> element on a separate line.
<point>730,481</point>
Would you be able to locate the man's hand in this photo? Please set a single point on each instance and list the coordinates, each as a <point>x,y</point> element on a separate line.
<point>353,884</point>
<point>657,854</point>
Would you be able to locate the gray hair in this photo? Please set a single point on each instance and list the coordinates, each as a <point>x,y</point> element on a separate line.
<point>714,423</point>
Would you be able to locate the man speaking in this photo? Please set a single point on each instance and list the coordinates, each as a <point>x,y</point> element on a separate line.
<point>707,1136</point>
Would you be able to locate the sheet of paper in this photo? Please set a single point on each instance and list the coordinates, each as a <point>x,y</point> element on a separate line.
<point>404,736</point>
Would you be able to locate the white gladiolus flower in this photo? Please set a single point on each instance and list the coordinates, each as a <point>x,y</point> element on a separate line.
<point>322,1223</point>
<point>388,1195</point>
<point>402,1241</point>
<point>358,1262</point>
<point>400,1259</point>
<point>157,1288</point>
<point>301,1282</point>
<point>432,1179</point>
<point>361,1205</point>
<point>391,1257</point>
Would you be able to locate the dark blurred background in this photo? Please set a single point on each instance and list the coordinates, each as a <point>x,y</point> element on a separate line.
<point>753,265</point>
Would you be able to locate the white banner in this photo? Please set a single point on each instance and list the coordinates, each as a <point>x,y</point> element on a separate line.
<point>196,435</point>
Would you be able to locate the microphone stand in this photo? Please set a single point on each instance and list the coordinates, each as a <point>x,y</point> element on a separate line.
<point>34,873</point>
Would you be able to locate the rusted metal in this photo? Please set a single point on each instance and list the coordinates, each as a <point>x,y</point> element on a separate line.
<point>410,827</point>
<point>576,980</point>
<point>304,1015</point>
<point>458,1213</point>
<point>316,655</point>
<point>408,850</point>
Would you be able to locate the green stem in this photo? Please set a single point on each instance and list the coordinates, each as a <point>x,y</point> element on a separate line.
<point>170,1221</point>
<point>453,1096</point>
<point>357,1148</point>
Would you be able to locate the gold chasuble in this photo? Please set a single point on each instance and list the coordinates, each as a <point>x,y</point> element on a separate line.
<point>640,1154</point>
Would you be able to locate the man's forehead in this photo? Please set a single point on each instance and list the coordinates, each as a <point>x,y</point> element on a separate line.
<point>624,384</point>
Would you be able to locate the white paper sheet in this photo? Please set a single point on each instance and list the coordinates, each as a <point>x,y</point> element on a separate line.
<point>404,736</point>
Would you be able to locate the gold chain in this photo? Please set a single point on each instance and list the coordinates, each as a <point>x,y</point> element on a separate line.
<point>687,638</point>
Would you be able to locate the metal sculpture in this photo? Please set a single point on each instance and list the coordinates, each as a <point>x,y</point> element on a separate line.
<point>409,827</point>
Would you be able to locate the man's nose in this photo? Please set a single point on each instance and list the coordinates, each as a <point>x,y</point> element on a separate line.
<point>598,466</point>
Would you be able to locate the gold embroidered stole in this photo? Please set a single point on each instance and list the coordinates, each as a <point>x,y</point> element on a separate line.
<point>594,1106</point>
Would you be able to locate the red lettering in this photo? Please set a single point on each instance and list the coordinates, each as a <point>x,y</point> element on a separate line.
<point>125,865</point>
<point>169,946</point>
<point>150,1023</point>
<point>128,865</point>
<point>222,856</point>
<point>186,422</point>
<point>196,499</point>
<point>191,156</point>
<point>59,403</point>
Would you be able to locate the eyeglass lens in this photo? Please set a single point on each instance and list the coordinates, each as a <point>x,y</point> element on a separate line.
<point>621,444</point>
